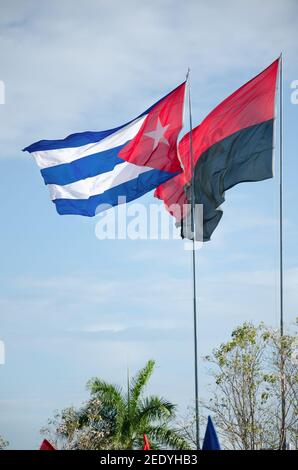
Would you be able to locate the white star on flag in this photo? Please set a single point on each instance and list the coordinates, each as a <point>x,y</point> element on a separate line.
<point>158,135</point>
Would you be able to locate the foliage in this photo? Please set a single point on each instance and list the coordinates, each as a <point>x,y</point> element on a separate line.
<point>249,372</point>
<point>117,419</point>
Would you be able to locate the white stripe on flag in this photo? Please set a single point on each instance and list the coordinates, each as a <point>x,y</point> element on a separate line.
<point>83,189</point>
<point>48,158</point>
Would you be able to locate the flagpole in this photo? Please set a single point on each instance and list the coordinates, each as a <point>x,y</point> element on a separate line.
<point>283,398</point>
<point>194,269</point>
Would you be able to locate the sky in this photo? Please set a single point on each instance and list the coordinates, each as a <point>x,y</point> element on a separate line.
<point>73,306</point>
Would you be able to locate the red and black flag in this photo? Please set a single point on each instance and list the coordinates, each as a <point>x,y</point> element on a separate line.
<point>233,144</point>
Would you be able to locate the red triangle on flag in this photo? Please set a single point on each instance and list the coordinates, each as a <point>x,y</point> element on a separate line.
<point>46,445</point>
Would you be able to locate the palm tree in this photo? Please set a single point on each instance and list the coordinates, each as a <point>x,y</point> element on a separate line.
<point>133,415</point>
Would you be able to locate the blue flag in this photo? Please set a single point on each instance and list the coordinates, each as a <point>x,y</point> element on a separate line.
<point>211,441</point>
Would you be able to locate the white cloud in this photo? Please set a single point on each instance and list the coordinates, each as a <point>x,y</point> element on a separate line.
<point>128,307</point>
<point>94,64</point>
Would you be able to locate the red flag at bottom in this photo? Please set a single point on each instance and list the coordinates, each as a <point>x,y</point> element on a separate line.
<point>46,445</point>
<point>146,443</point>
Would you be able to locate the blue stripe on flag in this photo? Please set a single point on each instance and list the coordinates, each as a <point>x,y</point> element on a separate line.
<point>82,168</point>
<point>131,190</point>
<point>73,140</point>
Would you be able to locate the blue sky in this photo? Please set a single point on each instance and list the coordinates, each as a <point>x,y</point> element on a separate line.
<point>72,306</point>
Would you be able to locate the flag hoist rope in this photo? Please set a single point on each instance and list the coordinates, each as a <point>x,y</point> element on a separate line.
<point>194,268</point>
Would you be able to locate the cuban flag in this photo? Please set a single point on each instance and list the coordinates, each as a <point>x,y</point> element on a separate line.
<point>87,171</point>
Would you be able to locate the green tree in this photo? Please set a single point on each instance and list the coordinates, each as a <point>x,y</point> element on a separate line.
<point>117,419</point>
<point>249,373</point>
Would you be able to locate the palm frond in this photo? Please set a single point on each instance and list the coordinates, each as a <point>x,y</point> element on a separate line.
<point>155,408</point>
<point>167,438</point>
<point>112,419</point>
<point>102,388</point>
<point>140,381</point>
<point>108,393</point>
